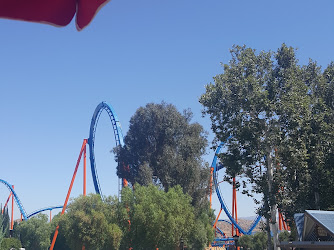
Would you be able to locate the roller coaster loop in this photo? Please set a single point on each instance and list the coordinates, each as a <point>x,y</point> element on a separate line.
<point>16,198</point>
<point>119,142</point>
<point>220,197</point>
<point>117,132</point>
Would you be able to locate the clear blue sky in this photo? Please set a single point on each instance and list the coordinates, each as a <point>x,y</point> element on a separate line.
<point>134,52</point>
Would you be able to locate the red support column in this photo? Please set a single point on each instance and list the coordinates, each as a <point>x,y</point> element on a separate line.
<point>280,219</point>
<point>84,179</point>
<point>12,217</point>
<point>3,209</point>
<point>210,185</point>
<point>236,209</point>
<point>233,204</point>
<point>84,173</point>
<point>214,225</point>
<point>69,191</point>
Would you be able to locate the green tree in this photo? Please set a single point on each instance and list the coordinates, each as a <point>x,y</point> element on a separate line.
<point>260,241</point>
<point>164,148</point>
<point>2,230</point>
<point>310,182</point>
<point>203,233</point>
<point>5,222</point>
<point>35,232</point>
<point>10,243</point>
<point>91,222</point>
<point>160,219</point>
<point>61,243</point>
<point>246,241</point>
<point>262,101</point>
<point>284,236</point>
<point>257,241</point>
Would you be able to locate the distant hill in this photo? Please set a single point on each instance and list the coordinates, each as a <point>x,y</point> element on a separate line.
<point>244,223</point>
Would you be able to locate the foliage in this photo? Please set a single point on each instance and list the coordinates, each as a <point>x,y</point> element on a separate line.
<point>61,243</point>
<point>246,241</point>
<point>164,148</point>
<point>35,232</point>
<point>2,231</point>
<point>160,219</point>
<point>312,183</point>
<point>280,116</point>
<point>90,222</point>
<point>10,243</point>
<point>203,232</point>
<point>260,241</point>
<point>284,236</point>
<point>257,241</point>
<point>5,222</point>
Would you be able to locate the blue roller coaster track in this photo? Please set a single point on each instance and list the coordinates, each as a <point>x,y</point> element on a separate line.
<point>16,198</point>
<point>25,216</point>
<point>42,210</point>
<point>216,168</point>
<point>118,138</point>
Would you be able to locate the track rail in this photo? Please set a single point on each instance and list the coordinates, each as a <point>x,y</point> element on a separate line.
<point>42,210</point>
<point>16,198</point>
<point>91,140</point>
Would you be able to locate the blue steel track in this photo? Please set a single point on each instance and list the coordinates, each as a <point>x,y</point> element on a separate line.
<point>42,210</point>
<point>118,138</point>
<point>16,198</point>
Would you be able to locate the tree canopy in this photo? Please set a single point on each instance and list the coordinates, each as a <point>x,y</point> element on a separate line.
<point>279,115</point>
<point>146,218</point>
<point>10,243</point>
<point>91,222</point>
<point>35,232</point>
<point>164,148</point>
<point>162,219</point>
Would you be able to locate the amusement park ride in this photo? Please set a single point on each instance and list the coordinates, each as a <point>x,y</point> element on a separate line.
<point>236,229</point>
<point>220,237</point>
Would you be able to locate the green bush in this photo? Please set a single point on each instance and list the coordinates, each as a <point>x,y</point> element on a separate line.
<point>9,243</point>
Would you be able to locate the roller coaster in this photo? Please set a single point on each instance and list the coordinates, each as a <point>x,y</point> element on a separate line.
<point>215,168</point>
<point>90,141</point>
<point>221,239</point>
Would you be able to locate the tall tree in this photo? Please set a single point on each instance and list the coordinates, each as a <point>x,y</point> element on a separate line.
<point>310,182</point>
<point>6,222</point>
<point>2,230</point>
<point>164,148</point>
<point>259,99</point>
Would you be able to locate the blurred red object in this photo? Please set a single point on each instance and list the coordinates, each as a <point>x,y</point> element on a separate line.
<point>54,12</point>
